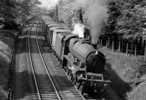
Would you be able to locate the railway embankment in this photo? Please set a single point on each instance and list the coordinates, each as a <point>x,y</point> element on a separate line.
<point>7,49</point>
<point>127,73</point>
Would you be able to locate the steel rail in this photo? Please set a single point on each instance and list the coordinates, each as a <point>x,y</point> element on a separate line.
<point>32,68</point>
<point>48,73</point>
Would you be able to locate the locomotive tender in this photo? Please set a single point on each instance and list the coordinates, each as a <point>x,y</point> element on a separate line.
<point>82,62</point>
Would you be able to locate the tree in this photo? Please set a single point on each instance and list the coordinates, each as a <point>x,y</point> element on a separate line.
<point>126,17</point>
<point>15,12</point>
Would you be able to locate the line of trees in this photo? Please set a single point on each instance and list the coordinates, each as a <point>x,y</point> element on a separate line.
<point>15,12</point>
<point>125,29</point>
<point>126,17</point>
<point>135,46</point>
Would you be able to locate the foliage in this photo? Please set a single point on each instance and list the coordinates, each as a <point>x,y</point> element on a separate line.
<point>65,11</point>
<point>14,12</point>
<point>126,17</point>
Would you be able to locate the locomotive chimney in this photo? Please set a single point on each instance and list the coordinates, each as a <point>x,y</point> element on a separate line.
<point>96,53</point>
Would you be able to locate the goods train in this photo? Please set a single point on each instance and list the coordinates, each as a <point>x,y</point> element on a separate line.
<point>84,65</point>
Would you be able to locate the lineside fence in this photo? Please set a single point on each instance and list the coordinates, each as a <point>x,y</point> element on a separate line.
<point>136,47</point>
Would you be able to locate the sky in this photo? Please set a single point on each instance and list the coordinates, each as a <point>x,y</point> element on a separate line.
<point>48,4</point>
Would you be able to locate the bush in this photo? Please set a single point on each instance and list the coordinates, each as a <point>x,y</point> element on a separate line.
<point>126,16</point>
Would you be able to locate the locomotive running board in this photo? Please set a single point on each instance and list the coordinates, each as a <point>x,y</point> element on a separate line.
<point>97,81</point>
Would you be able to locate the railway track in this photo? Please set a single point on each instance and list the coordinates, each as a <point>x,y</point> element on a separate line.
<point>48,80</point>
<point>46,88</point>
<point>31,67</point>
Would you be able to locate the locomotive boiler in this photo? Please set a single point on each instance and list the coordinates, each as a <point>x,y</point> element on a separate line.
<point>84,64</point>
<point>87,55</point>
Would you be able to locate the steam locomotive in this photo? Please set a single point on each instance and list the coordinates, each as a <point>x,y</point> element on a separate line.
<point>84,65</point>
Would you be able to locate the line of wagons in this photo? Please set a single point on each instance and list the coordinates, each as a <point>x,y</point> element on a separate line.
<point>83,64</point>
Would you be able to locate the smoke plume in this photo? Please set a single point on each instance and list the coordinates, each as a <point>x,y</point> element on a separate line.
<point>95,13</point>
<point>48,4</point>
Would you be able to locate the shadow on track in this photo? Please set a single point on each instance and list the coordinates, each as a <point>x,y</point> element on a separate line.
<point>23,80</point>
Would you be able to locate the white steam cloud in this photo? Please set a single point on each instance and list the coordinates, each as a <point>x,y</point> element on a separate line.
<point>95,13</point>
<point>48,4</point>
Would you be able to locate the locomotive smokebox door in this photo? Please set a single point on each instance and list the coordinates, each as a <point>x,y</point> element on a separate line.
<point>95,62</point>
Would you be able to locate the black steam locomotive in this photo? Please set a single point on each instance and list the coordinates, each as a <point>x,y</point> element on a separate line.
<point>84,65</point>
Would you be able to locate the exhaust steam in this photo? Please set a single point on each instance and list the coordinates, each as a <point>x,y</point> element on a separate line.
<point>96,15</point>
